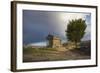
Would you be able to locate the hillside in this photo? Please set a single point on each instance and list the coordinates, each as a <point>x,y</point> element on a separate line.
<point>33,54</point>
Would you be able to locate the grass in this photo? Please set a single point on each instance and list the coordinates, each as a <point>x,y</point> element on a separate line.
<point>50,54</point>
<point>37,50</point>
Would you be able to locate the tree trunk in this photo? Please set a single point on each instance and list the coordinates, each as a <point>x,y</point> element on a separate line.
<point>76,46</point>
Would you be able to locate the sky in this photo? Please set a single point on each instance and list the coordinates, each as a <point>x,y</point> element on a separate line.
<point>38,24</point>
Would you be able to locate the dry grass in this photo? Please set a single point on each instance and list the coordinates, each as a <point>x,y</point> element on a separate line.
<point>51,54</point>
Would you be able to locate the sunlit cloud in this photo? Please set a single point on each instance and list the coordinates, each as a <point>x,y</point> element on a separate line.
<point>38,24</point>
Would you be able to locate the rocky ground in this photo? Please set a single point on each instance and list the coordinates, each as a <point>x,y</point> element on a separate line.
<point>35,55</point>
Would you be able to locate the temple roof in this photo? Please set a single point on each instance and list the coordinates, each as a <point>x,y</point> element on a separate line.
<point>52,37</point>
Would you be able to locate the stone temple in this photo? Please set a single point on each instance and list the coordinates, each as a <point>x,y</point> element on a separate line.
<point>55,42</point>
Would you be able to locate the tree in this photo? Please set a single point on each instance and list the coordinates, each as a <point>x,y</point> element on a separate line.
<point>75,30</point>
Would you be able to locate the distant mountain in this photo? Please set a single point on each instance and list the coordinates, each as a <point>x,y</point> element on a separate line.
<point>37,44</point>
<point>86,43</point>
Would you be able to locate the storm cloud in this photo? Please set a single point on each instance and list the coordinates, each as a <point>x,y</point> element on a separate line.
<point>38,24</point>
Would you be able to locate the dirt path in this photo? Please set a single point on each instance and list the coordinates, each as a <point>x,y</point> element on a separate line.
<point>54,56</point>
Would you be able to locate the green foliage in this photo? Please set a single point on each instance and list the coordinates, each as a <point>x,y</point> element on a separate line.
<point>37,50</point>
<point>75,30</point>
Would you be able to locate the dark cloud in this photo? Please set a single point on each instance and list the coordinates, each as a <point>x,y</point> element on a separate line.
<point>38,24</point>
